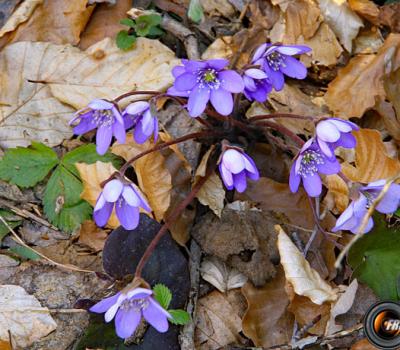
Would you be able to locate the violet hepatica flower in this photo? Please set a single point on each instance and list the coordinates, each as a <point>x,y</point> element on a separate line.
<point>334,132</point>
<point>129,308</point>
<point>204,81</point>
<point>234,167</point>
<point>126,198</point>
<point>256,85</point>
<point>352,217</point>
<point>277,61</point>
<point>307,165</point>
<point>104,116</point>
<point>138,115</point>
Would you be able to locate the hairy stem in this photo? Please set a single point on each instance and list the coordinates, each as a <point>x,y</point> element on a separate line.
<point>175,214</point>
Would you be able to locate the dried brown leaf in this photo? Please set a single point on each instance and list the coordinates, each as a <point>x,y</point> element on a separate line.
<point>363,344</point>
<point>358,85</point>
<point>389,16</point>
<point>338,188</point>
<point>5,345</point>
<point>92,236</point>
<point>366,9</point>
<point>372,162</point>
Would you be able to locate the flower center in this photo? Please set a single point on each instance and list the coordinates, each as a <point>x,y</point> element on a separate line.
<point>309,163</point>
<point>103,117</point>
<point>135,304</point>
<point>275,60</point>
<point>208,78</point>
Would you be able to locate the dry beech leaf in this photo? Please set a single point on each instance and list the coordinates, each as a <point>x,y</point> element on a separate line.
<point>392,89</point>
<point>218,8</point>
<point>342,305</point>
<point>368,41</point>
<point>22,315</point>
<point>338,188</point>
<point>220,275</point>
<point>212,193</point>
<point>56,21</point>
<point>342,20</point>
<point>5,345</point>
<point>372,162</point>
<point>358,85</point>
<point>267,321</point>
<point>20,15</point>
<point>153,176</point>
<point>367,9</point>
<point>92,176</point>
<point>304,279</point>
<point>104,22</point>
<point>92,236</point>
<point>217,322</point>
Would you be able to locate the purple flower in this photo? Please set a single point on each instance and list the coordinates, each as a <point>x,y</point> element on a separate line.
<point>333,132</point>
<point>277,61</point>
<point>307,165</point>
<point>104,116</point>
<point>234,167</point>
<point>256,85</point>
<point>129,308</point>
<point>352,217</point>
<point>204,81</point>
<point>138,115</point>
<point>127,199</point>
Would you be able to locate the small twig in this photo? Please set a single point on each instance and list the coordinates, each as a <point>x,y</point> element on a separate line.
<point>138,92</point>
<point>21,242</point>
<point>279,115</point>
<point>364,221</point>
<point>315,230</point>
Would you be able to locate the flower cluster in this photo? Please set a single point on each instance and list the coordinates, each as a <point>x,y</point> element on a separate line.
<point>128,309</point>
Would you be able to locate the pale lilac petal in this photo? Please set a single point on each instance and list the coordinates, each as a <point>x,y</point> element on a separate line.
<point>343,125</point>
<point>312,185</point>
<point>294,179</point>
<point>105,304</point>
<point>218,63</point>
<point>127,215</point>
<point>390,201</point>
<point>110,313</point>
<point>143,200</point>
<point>239,181</point>
<point>346,218</point>
<point>259,52</point>
<point>231,81</point>
<point>147,123</point>
<point>197,102</point>
<point>85,125</point>
<point>233,160</point>
<point>226,176</point>
<point>130,196</point>
<point>293,49</point>
<point>119,132</point>
<point>140,136</point>
<point>222,101</point>
<point>293,68</point>
<point>249,83</point>
<point>174,92</point>
<point>249,164</point>
<point>346,141</point>
<point>101,201</point>
<point>327,131</point>
<point>139,293</point>
<point>137,107</point>
<point>325,148</point>
<point>256,73</point>
<point>155,317</point>
<point>329,168</point>
<point>103,139</point>
<point>126,322</point>
<point>112,190</point>
<point>194,66</point>
<point>100,104</point>
<point>185,81</point>
<point>178,70</point>
<point>102,215</point>
<point>360,206</point>
<point>276,77</point>
<point>117,115</point>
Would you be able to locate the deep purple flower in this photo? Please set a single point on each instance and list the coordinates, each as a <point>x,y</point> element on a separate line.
<point>128,309</point>
<point>234,167</point>
<point>204,81</point>
<point>352,217</point>
<point>138,115</point>
<point>277,61</point>
<point>307,165</point>
<point>333,132</point>
<point>256,85</point>
<point>104,116</point>
<point>127,199</point>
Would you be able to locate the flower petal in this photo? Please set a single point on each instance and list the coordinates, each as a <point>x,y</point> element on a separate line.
<point>127,215</point>
<point>185,81</point>
<point>226,176</point>
<point>222,101</point>
<point>198,99</point>
<point>155,316</point>
<point>139,293</point>
<point>329,168</point>
<point>126,322</point>
<point>112,190</point>
<point>231,81</point>
<point>172,91</point>
<point>390,201</point>
<point>259,52</point>
<point>256,73</point>
<point>100,104</point>
<point>178,70</point>
<point>130,196</point>
<point>239,181</point>
<point>293,49</point>
<point>233,161</point>
<point>137,107</point>
<point>102,215</point>
<point>276,77</point>
<point>327,131</point>
<point>103,139</point>
<point>217,63</point>
<point>140,136</point>
<point>346,140</point>
<point>85,124</point>
<point>119,132</point>
<point>294,179</point>
<point>105,304</point>
<point>293,68</point>
<point>313,185</point>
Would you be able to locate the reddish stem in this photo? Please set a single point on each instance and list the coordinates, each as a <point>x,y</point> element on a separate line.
<point>175,214</point>
<point>131,93</point>
<point>283,130</point>
<point>280,115</point>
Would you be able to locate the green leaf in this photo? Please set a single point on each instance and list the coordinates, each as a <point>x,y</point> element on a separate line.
<point>128,22</point>
<point>195,11</point>
<point>145,23</point>
<point>24,252</point>
<point>375,259</point>
<point>163,295</point>
<point>125,41</point>
<point>179,317</point>
<point>155,31</point>
<point>87,154</point>
<point>62,203</point>
<point>25,167</point>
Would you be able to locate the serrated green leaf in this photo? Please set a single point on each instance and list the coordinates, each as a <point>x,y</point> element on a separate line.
<point>9,218</point>
<point>125,40</point>
<point>87,154</point>
<point>62,203</point>
<point>145,23</point>
<point>26,166</point>
<point>127,22</point>
<point>24,252</point>
<point>195,11</point>
<point>162,294</point>
<point>179,317</point>
<point>375,259</point>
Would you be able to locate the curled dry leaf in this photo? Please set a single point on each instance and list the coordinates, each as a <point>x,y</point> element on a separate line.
<point>342,20</point>
<point>360,83</point>
<point>220,275</point>
<point>304,279</point>
<point>152,173</point>
<point>20,15</point>
<point>267,321</point>
<point>212,193</point>
<point>367,9</point>
<point>339,190</point>
<point>92,236</point>
<point>92,175</point>
<point>372,162</point>
<point>22,315</point>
